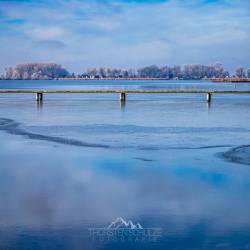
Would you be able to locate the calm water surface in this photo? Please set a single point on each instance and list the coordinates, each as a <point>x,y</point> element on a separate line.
<point>80,161</point>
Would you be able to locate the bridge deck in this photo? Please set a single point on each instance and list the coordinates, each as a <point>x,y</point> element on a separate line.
<point>167,91</point>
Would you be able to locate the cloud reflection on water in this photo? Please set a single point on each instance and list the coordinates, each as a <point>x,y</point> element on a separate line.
<point>54,193</point>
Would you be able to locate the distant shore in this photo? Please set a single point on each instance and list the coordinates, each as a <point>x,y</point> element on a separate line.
<point>117,79</point>
<point>228,79</point>
<point>52,71</point>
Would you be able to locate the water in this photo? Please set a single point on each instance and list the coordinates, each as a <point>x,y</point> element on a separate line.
<point>79,161</point>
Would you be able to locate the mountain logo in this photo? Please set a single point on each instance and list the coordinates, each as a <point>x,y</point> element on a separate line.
<point>121,230</point>
<point>121,223</point>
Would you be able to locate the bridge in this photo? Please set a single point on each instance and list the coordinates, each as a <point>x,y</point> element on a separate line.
<point>39,93</point>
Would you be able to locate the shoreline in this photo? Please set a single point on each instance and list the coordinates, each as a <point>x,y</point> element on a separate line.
<point>229,80</point>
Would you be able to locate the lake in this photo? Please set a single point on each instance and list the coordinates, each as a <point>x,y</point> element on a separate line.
<point>77,168</point>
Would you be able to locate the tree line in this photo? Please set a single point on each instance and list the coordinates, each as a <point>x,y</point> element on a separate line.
<point>35,71</point>
<point>187,72</point>
<point>45,71</point>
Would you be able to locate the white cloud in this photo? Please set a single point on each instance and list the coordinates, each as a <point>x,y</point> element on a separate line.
<point>41,33</point>
<point>103,24</point>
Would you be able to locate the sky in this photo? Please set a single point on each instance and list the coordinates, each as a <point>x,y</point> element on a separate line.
<point>81,34</point>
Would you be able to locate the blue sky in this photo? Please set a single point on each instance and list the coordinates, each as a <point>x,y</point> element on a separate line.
<point>81,34</point>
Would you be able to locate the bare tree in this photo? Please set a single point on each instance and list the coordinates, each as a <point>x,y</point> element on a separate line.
<point>36,71</point>
<point>248,73</point>
<point>239,72</point>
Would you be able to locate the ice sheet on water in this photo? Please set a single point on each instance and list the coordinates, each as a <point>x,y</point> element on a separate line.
<point>238,155</point>
<point>12,127</point>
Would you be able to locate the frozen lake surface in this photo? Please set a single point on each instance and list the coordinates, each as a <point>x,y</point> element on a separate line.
<point>79,161</point>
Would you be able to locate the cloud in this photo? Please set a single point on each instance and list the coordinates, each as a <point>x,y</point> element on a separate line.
<point>128,33</point>
<point>103,24</point>
<point>51,44</point>
<point>46,32</point>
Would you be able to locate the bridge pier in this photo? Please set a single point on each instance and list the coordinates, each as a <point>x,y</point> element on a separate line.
<point>39,97</point>
<point>122,97</point>
<point>209,96</point>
